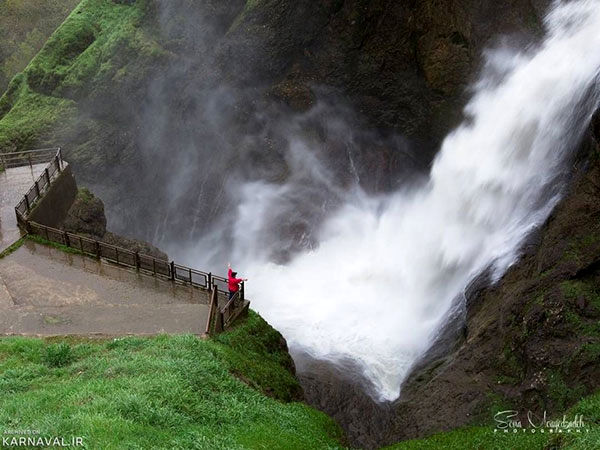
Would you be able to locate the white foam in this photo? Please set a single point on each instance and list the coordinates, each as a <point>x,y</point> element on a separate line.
<point>388,268</point>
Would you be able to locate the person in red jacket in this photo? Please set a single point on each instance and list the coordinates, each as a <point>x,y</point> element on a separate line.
<point>234,283</point>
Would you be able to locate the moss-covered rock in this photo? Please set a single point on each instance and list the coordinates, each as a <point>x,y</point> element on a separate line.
<point>86,215</point>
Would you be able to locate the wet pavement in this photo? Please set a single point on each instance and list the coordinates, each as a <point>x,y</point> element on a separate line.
<point>45,291</point>
<point>14,183</point>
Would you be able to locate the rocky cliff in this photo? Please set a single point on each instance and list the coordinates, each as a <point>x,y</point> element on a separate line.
<point>131,88</point>
<point>532,340</point>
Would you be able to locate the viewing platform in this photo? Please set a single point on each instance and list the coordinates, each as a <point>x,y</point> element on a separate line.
<point>14,182</point>
<point>46,291</point>
<point>77,285</point>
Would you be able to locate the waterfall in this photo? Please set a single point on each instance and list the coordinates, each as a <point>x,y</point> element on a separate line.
<point>388,269</point>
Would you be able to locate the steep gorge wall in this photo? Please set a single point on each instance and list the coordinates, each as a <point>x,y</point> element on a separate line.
<point>531,341</point>
<point>129,90</point>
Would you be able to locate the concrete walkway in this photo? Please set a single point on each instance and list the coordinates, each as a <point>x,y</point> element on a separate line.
<point>14,183</point>
<point>44,291</point>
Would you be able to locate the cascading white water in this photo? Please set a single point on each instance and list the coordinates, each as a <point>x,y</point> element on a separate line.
<point>388,268</point>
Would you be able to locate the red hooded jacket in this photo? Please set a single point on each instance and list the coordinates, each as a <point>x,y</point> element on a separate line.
<point>234,283</point>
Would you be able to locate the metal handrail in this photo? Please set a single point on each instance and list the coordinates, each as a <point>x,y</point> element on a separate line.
<point>27,157</point>
<point>122,256</point>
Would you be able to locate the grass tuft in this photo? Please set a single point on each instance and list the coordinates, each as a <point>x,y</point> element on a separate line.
<point>58,355</point>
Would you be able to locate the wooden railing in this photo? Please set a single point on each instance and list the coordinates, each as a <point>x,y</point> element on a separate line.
<point>218,320</point>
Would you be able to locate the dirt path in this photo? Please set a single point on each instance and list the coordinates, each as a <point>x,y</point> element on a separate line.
<point>44,291</point>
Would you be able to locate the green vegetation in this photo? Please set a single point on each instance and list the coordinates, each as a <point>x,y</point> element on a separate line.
<point>58,355</point>
<point>12,248</point>
<point>246,358</point>
<point>573,289</point>
<point>24,27</point>
<point>84,195</point>
<point>101,45</point>
<point>25,115</point>
<point>161,392</point>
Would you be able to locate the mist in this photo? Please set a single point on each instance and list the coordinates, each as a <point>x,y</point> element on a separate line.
<point>376,279</point>
<point>357,249</point>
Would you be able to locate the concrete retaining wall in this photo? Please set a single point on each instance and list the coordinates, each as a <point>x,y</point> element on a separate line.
<point>52,209</point>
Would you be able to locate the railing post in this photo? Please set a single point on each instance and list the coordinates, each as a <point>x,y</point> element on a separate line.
<point>209,281</point>
<point>57,162</point>
<point>97,245</point>
<point>27,205</point>
<point>37,189</point>
<point>29,158</point>
<point>242,291</point>
<point>219,321</point>
<point>47,175</point>
<point>60,160</point>
<point>172,270</point>
<point>137,261</point>
<point>66,239</point>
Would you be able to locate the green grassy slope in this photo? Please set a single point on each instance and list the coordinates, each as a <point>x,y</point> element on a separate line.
<point>24,27</point>
<point>101,44</point>
<point>162,392</point>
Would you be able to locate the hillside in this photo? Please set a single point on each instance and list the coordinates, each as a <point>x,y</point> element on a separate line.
<point>25,26</point>
<point>236,391</point>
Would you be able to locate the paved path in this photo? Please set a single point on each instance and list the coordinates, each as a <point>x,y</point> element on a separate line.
<point>44,291</point>
<point>14,183</point>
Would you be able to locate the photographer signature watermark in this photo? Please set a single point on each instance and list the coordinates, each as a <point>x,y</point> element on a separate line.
<point>510,421</point>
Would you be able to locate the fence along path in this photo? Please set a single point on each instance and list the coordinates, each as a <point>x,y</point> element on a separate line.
<point>219,318</point>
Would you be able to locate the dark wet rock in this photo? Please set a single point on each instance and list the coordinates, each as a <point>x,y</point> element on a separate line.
<point>339,391</point>
<point>134,245</point>
<point>86,215</point>
<point>297,96</point>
